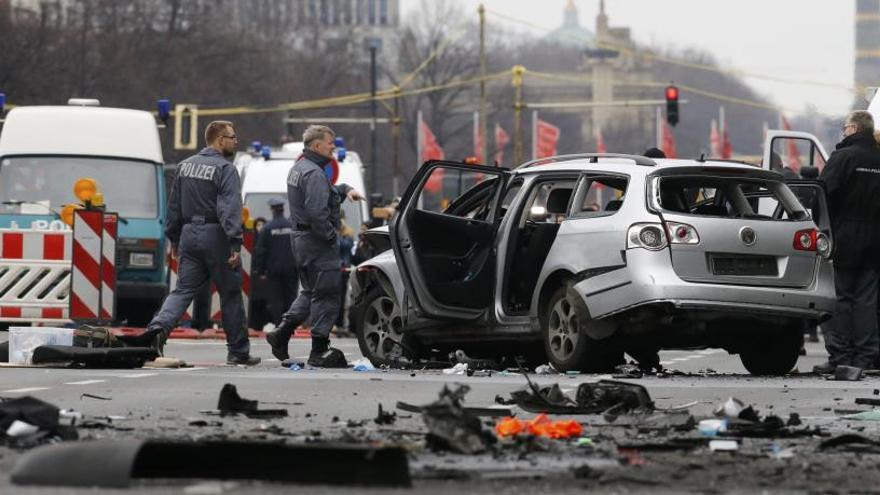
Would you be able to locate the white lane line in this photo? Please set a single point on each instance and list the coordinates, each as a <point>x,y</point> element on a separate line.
<point>138,375</point>
<point>686,358</point>
<point>85,382</point>
<point>25,390</point>
<point>666,363</point>
<point>194,368</point>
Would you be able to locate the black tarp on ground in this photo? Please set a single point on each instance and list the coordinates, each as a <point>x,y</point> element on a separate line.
<point>104,357</point>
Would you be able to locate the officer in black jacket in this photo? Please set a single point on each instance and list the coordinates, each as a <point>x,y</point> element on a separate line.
<point>852,183</point>
<point>274,261</point>
<point>314,210</point>
<point>204,227</point>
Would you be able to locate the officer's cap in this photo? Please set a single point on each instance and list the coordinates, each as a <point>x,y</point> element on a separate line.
<point>275,203</point>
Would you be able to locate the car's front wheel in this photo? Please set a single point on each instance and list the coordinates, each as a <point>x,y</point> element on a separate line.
<point>774,352</point>
<point>568,345</point>
<point>378,325</point>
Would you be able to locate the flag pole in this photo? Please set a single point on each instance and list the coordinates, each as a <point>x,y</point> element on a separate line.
<point>534,134</point>
<point>659,129</point>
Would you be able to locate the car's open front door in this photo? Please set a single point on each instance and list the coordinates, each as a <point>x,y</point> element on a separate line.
<point>793,150</point>
<point>444,238</point>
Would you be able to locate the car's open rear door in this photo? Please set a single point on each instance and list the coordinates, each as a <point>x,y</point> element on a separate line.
<point>792,150</point>
<point>443,237</point>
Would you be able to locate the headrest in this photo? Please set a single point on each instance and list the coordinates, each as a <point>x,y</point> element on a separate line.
<point>557,201</point>
<point>614,205</point>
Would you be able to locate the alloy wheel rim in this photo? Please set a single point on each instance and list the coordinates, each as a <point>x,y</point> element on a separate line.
<point>563,330</point>
<point>383,327</point>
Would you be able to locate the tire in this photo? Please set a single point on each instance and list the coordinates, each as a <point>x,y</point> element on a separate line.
<point>567,345</point>
<point>378,324</point>
<point>774,353</point>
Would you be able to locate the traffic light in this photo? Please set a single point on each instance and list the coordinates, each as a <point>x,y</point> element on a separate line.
<point>672,105</point>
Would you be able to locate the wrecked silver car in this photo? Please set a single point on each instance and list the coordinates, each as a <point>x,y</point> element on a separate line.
<point>578,259</point>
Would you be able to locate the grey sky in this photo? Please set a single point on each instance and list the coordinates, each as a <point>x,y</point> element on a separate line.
<point>805,40</point>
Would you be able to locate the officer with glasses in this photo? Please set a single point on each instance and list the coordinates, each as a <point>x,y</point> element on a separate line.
<point>204,227</point>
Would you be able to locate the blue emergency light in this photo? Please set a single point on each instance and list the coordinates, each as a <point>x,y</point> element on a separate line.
<point>266,152</point>
<point>2,102</point>
<point>164,108</point>
<point>257,146</point>
<point>340,149</point>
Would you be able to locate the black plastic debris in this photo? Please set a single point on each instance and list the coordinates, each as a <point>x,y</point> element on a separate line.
<point>385,417</point>
<point>103,357</point>
<point>629,370</point>
<point>851,442</point>
<point>451,427</point>
<point>867,401</point>
<point>487,411</point>
<point>232,403</point>
<point>605,396</point>
<point>38,418</point>
<point>115,463</point>
<point>4,352</point>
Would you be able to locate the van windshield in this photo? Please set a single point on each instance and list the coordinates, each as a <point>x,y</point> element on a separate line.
<point>40,185</point>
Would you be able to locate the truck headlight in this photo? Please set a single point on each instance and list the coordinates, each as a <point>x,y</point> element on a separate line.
<point>141,260</point>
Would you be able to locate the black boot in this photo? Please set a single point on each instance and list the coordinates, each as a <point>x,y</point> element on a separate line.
<point>280,337</point>
<point>320,345</point>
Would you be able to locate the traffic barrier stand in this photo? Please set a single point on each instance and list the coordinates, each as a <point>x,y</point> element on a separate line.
<point>35,274</point>
<point>93,270</point>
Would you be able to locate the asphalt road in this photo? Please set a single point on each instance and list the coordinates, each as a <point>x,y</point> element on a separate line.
<point>162,403</point>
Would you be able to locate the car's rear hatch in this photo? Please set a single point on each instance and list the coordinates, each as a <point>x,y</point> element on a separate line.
<point>734,225</point>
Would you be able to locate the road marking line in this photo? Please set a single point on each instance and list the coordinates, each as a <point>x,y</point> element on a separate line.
<point>194,368</point>
<point>138,375</point>
<point>25,390</point>
<point>85,382</point>
<point>666,363</point>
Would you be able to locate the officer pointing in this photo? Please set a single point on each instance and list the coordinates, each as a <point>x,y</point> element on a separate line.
<point>204,227</point>
<point>314,212</point>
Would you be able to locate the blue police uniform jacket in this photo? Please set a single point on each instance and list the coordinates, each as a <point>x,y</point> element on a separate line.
<point>314,202</point>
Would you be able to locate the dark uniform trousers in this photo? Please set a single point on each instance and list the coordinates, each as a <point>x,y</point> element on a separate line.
<point>204,254</point>
<point>282,293</point>
<point>851,337</point>
<point>320,275</point>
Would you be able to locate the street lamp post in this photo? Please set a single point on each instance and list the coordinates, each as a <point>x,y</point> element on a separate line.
<point>374,45</point>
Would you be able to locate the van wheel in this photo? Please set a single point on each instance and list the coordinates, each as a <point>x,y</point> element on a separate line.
<point>774,353</point>
<point>378,323</point>
<point>568,346</point>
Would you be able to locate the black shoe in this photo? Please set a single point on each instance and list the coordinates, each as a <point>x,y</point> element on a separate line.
<point>330,358</point>
<point>278,344</point>
<point>158,343</point>
<point>248,360</point>
<point>824,368</point>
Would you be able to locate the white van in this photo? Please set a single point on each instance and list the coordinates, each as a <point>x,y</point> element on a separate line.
<point>262,179</point>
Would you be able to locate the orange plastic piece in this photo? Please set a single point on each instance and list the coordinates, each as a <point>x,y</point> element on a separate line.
<point>540,426</point>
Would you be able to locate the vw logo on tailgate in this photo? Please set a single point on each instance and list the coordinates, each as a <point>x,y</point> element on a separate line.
<point>748,236</point>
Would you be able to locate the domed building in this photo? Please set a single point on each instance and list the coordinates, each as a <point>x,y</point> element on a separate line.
<point>571,33</point>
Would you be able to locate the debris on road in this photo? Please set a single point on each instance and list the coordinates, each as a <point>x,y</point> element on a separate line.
<point>384,417</point>
<point>546,369</point>
<point>121,461</point>
<point>605,396</point>
<point>867,401</point>
<point>872,415</point>
<point>540,426</point>
<point>27,422</point>
<point>458,369</point>
<point>451,427</point>
<point>362,364</point>
<point>232,403</point>
<point>847,373</point>
<point>723,445</point>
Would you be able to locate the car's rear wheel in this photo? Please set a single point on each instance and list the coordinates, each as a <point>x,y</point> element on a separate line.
<point>378,324</point>
<point>773,352</point>
<point>568,346</point>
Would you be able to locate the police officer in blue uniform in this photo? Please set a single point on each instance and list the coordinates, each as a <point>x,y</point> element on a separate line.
<point>314,211</point>
<point>204,227</point>
<point>274,263</point>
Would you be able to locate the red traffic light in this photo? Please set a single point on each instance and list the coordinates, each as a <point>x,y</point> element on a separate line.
<point>671,93</point>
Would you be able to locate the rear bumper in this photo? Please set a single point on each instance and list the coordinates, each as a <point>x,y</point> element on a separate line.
<point>648,278</point>
<point>141,291</point>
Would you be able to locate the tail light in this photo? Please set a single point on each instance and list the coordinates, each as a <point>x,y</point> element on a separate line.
<point>682,233</point>
<point>651,236</point>
<point>806,240</point>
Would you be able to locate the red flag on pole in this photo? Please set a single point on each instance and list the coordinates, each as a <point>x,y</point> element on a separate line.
<point>726,148</point>
<point>430,150</point>
<point>501,140</point>
<point>600,142</point>
<point>714,140</point>
<point>667,142</point>
<point>793,160</point>
<point>546,138</point>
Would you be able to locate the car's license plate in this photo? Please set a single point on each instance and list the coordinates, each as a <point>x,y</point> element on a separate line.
<point>745,265</point>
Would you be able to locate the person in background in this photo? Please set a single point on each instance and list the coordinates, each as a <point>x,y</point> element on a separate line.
<point>274,263</point>
<point>346,246</point>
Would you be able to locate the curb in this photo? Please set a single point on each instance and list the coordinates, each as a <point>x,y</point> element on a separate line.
<point>208,334</point>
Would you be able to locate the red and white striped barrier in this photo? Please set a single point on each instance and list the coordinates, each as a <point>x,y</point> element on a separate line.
<point>34,275</point>
<point>108,267</point>
<point>88,277</point>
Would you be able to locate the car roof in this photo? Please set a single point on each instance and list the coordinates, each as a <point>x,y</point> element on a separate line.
<point>627,164</point>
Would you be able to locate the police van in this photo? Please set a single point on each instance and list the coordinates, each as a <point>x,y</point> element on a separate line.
<point>45,149</point>
<point>264,176</point>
